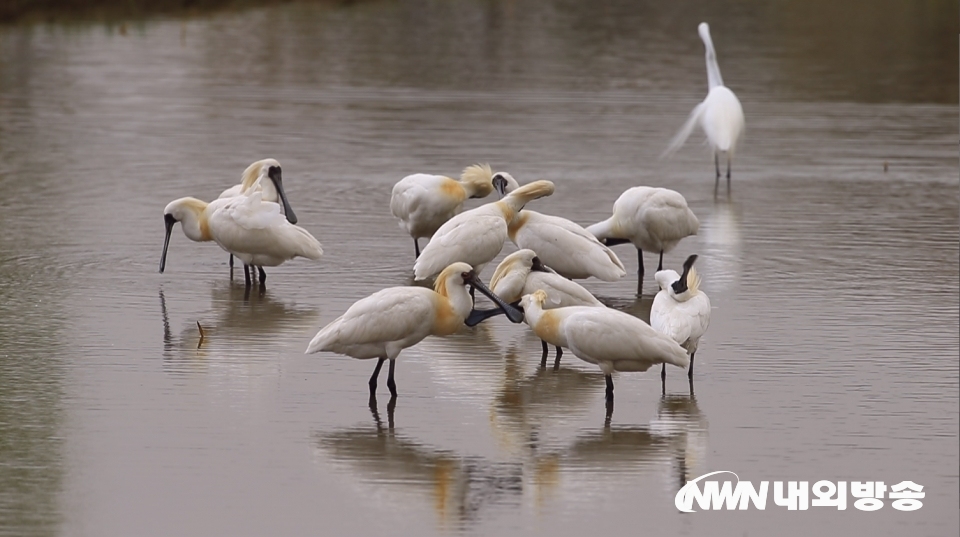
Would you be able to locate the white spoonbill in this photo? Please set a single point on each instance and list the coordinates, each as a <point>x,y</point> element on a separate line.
<point>272,188</point>
<point>424,202</point>
<point>390,320</point>
<point>564,246</point>
<point>247,227</point>
<point>719,115</point>
<point>653,219</point>
<point>476,236</point>
<point>613,340</point>
<point>523,273</point>
<point>681,310</point>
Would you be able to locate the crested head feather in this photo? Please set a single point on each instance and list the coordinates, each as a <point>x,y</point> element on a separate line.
<point>192,204</point>
<point>540,296</point>
<point>253,172</point>
<point>520,257</point>
<point>440,285</point>
<point>532,191</point>
<point>693,280</point>
<point>480,177</point>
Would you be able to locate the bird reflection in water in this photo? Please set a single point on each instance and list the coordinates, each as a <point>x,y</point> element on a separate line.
<point>458,487</point>
<point>240,326</point>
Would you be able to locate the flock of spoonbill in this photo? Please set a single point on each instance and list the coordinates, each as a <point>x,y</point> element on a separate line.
<point>533,285</point>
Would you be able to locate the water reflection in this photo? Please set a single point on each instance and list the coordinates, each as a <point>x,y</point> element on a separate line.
<point>720,232</point>
<point>457,487</point>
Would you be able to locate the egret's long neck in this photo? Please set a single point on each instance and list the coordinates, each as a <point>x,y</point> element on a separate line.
<point>713,69</point>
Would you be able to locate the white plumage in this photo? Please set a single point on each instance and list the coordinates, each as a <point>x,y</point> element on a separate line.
<point>271,188</point>
<point>476,236</point>
<point>681,310</point>
<point>720,115</point>
<point>424,202</point>
<point>246,226</point>
<point>522,273</point>
<point>611,339</point>
<point>564,246</point>
<point>390,320</point>
<point>653,219</point>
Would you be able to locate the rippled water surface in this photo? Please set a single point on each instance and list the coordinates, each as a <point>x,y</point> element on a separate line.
<point>832,353</point>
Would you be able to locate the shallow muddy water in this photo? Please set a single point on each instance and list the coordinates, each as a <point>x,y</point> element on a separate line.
<point>832,352</point>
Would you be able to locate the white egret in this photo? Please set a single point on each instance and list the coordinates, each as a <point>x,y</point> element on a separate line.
<point>476,236</point>
<point>719,115</point>
<point>681,310</point>
<point>390,320</point>
<point>424,202</point>
<point>653,219</point>
<point>523,273</point>
<point>611,339</point>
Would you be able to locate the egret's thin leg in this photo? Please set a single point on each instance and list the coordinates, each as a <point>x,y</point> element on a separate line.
<point>660,265</point>
<point>373,377</point>
<point>640,262</point>
<point>546,351</point>
<point>609,414</point>
<point>690,371</point>
<point>390,382</point>
<point>728,169</point>
<point>610,388</point>
<point>416,246</point>
<point>716,162</point>
<point>263,276</point>
<point>246,275</point>
<point>231,262</point>
<point>556,363</point>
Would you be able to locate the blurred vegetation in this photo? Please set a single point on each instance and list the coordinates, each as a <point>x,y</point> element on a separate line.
<point>13,11</point>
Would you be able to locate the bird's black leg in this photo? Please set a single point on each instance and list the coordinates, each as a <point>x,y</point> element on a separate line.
<point>546,351</point>
<point>639,271</point>
<point>610,388</point>
<point>246,275</point>
<point>416,246</point>
<point>609,414</point>
<point>231,266</point>
<point>690,371</point>
<point>663,379</point>
<point>660,266</point>
<point>556,363</point>
<point>716,162</point>
<point>373,379</point>
<point>263,277</point>
<point>728,170</point>
<point>390,382</point>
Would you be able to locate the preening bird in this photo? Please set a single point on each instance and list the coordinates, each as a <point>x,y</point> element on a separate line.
<point>476,236</point>
<point>564,246</point>
<point>522,273</point>
<point>681,310</point>
<point>246,226</point>
<point>611,339</point>
<point>719,115</point>
<point>390,320</point>
<point>653,219</point>
<point>267,176</point>
<point>424,202</point>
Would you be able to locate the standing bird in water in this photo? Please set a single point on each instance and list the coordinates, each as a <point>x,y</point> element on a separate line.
<point>244,225</point>
<point>611,339</point>
<point>521,273</point>
<point>566,247</point>
<point>681,311</point>
<point>653,219</point>
<point>476,236</point>
<point>271,188</point>
<point>425,202</point>
<point>390,320</point>
<point>719,115</point>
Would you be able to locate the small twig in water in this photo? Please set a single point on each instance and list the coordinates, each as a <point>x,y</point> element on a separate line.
<point>201,334</point>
